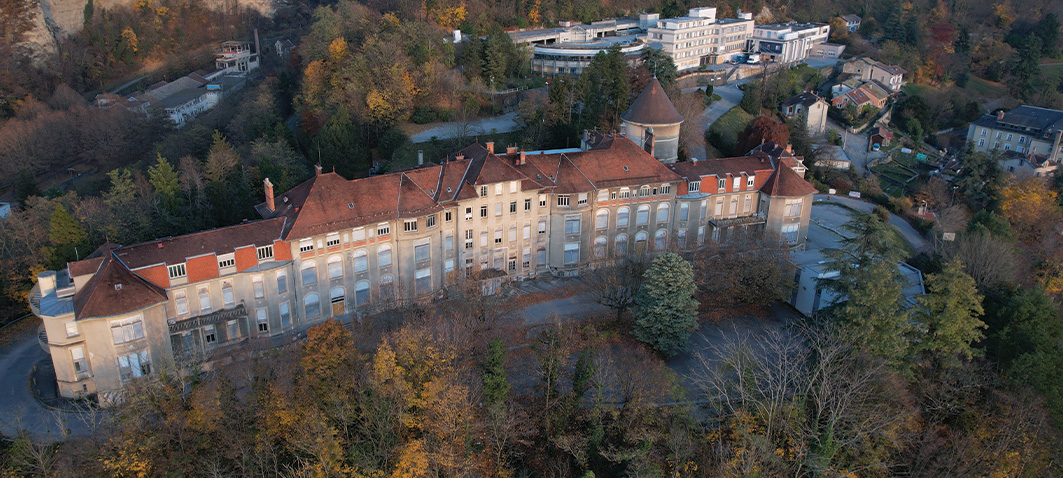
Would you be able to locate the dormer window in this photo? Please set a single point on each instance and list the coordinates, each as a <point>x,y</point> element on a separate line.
<point>694,186</point>
<point>226,260</point>
<point>722,184</point>
<point>749,181</point>
<point>176,271</point>
<point>737,183</point>
<point>264,252</point>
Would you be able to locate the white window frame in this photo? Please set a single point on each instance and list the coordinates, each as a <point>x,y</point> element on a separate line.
<point>177,271</point>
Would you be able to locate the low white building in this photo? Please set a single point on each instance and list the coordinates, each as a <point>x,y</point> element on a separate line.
<point>809,297</point>
<point>787,42</point>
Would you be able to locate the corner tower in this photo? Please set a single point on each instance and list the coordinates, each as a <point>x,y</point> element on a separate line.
<point>653,123</point>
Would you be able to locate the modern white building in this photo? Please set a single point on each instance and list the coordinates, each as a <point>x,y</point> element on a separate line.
<point>236,57</point>
<point>702,39</point>
<point>787,42</point>
<point>573,57</point>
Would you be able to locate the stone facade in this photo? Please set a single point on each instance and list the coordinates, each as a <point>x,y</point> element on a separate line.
<point>332,247</point>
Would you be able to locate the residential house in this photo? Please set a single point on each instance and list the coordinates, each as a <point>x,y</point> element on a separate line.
<point>867,94</point>
<point>1026,130</point>
<point>889,76</point>
<point>1028,165</point>
<point>852,22</point>
<point>810,109</point>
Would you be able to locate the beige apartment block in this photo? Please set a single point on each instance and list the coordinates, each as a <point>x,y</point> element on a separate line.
<point>338,248</point>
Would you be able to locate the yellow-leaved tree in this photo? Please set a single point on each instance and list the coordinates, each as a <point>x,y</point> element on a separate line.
<point>1031,208</point>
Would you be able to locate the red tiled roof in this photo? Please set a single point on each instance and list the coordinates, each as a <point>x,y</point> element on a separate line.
<point>91,263</point>
<point>175,250</point>
<point>328,202</point>
<point>724,167</point>
<point>652,107</point>
<point>115,290</point>
<point>786,183</point>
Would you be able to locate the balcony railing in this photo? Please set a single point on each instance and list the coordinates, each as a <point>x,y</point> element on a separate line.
<point>223,315</point>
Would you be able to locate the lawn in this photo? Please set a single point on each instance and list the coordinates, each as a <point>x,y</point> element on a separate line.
<point>1052,71</point>
<point>723,134</point>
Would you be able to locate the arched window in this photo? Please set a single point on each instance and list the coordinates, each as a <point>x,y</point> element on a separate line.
<point>311,306</point>
<point>361,261</point>
<point>361,293</point>
<point>643,215</point>
<point>600,245</point>
<point>620,248</point>
<point>335,267</point>
<point>384,256</point>
<point>622,216</point>
<point>601,219</point>
<point>387,287</point>
<point>336,297</point>
<point>640,242</point>
<point>660,239</point>
<point>309,273</point>
<point>282,281</point>
<point>662,212</point>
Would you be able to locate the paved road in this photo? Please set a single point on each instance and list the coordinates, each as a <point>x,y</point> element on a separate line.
<point>828,218</point>
<point>856,147</point>
<point>498,124</point>
<point>730,96</point>
<point>18,408</point>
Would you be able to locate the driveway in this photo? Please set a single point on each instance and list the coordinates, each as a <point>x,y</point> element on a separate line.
<point>730,96</point>
<point>712,338</point>
<point>454,129</point>
<point>18,409</point>
<point>832,218</point>
<point>855,146</point>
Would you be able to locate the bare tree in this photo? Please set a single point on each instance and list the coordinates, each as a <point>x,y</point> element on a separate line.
<point>989,260</point>
<point>615,283</point>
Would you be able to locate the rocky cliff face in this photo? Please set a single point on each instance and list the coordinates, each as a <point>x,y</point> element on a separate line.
<point>57,19</point>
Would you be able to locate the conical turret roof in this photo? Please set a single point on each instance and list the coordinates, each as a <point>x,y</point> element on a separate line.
<point>652,107</point>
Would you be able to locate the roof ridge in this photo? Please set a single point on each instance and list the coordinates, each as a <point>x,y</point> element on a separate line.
<point>566,158</point>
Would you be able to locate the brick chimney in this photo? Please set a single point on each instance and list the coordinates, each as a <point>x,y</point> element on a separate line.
<point>522,160</point>
<point>269,194</point>
<point>1000,115</point>
<point>512,149</point>
<point>490,147</point>
<point>317,169</point>
<point>790,148</point>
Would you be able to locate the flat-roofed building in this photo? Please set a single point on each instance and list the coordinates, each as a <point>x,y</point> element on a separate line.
<point>787,42</point>
<point>702,39</point>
